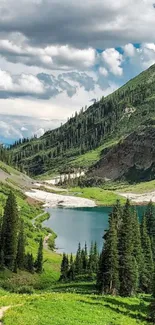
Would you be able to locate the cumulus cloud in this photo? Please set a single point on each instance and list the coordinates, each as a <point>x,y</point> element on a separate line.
<point>103,71</point>
<point>51,57</point>
<point>113,59</point>
<point>23,84</point>
<point>129,49</point>
<point>43,85</point>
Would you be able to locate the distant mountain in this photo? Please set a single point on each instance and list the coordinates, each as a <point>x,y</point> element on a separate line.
<point>120,116</point>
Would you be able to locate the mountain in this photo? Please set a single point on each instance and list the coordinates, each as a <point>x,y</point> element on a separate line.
<point>89,135</point>
<point>132,159</point>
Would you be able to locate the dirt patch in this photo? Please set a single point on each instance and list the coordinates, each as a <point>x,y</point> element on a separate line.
<point>32,201</point>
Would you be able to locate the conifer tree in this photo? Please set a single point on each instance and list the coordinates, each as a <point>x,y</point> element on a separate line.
<point>148,267</point>
<point>117,215</point>
<point>136,240</point>
<point>100,273</point>
<point>9,232</point>
<point>29,263</point>
<point>71,273</point>
<point>39,261</point>
<point>108,274</point>
<point>150,223</point>
<point>128,272</point>
<point>78,261</point>
<point>21,247</point>
<point>90,262</point>
<point>85,263</point>
<point>64,267</point>
<point>95,258</point>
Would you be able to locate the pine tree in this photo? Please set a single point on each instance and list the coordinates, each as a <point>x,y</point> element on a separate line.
<point>29,263</point>
<point>150,223</point>
<point>108,277</point>
<point>100,273</point>
<point>90,262</point>
<point>128,272</point>
<point>39,261</point>
<point>117,215</point>
<point>148,268</point>
<point>78,261</point>
<point>71,273</point>
<point>21,247</point>
<point>64,267</point>
<point>95,258</point>
<point>136,240</point>
<point>9,232</point>
<point>85,262</point>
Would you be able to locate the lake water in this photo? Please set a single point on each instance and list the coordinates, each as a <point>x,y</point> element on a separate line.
<point>79,225</point>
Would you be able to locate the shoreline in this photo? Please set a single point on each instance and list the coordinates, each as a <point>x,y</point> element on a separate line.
<point>54,200</point>
<point>58,200</point>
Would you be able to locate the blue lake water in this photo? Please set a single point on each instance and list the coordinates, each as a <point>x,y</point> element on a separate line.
<point>80,225</point>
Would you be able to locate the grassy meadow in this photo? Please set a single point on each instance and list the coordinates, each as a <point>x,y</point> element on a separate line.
<point>71,308</point>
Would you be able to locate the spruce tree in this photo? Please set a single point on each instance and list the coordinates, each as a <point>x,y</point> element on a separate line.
<point>85,262</point>
<point>39,261</point>
<point>90,262</point>
<point>150,223</point>
<point>117,215</point>
<point>64,267</point>
<point>100,273</point>
<point>95,258</point>
<point>29,262</point>
<point>128,272</point>
<point>78,261</point>
<point>71,273</point>
<point>108,273</point>
<point>148,267</point>
<point>21,247</point>
<point>136,240</point>
<point>9,232</point>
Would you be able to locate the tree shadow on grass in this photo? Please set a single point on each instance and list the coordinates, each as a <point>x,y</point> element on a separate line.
<point>132,311</point>
<point>82,288</point>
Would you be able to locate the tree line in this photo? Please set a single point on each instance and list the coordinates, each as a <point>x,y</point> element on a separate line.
<point>84,263</point>
<point>126,264</point>
<point>84,131</point>
<point>13,254</point>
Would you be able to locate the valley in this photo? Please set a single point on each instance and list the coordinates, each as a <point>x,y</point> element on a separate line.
<point>70,185</point>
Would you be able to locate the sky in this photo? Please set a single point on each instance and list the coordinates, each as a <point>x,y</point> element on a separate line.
<point>57,56</point>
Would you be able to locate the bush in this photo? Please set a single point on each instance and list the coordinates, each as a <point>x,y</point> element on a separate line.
<point>25,289</point>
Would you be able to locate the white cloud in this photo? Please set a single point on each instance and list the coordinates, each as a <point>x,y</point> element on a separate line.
<point>40,132</point>
<point>27,84</point>
<point>50,57</point>
<point>113,59</point>
<point>129,49</point>
<point>103,71</point>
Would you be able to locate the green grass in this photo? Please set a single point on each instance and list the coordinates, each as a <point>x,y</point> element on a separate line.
<point>91,157</point>
<point>101,196</point>
<point>8,169</point>
<point>74,309</point>
<point>140,187</point>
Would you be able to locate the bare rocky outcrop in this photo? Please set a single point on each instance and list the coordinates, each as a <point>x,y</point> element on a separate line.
<point>132,159</point>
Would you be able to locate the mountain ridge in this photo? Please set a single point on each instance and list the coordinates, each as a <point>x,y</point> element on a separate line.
<point>110,119</point>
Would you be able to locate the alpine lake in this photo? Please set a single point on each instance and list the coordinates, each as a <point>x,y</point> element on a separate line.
<point>74,225</point>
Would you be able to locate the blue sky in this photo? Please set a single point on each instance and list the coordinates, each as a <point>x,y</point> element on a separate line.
<point>65,54</point>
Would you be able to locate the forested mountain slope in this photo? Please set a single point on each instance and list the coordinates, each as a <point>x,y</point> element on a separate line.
<point>106,121</point>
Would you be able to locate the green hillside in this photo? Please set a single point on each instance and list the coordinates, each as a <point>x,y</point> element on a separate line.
<point>85,138</point>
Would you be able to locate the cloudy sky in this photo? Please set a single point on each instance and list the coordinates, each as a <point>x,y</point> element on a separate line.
<point>58,55</point>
